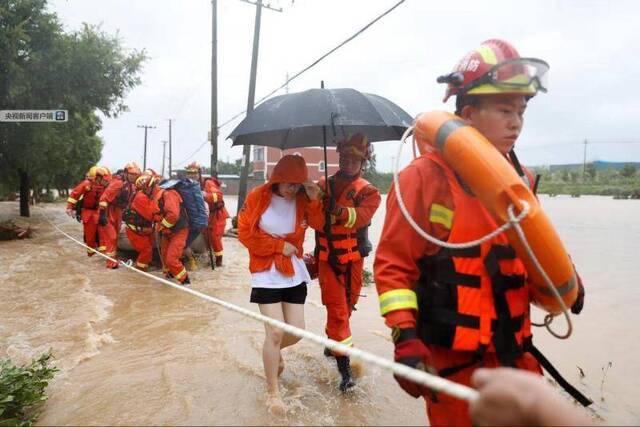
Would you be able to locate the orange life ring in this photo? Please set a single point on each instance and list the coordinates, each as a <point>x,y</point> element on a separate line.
<point>495,182</point>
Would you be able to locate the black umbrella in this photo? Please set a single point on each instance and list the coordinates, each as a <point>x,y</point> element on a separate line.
<point>303,119</point>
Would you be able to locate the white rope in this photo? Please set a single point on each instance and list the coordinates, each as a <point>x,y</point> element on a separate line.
<point>417,376</point>
<point>513,222</point>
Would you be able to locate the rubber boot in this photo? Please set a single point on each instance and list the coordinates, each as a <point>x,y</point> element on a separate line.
<point>327,352</point>
<point>218,260</point>
<point>345,371</point>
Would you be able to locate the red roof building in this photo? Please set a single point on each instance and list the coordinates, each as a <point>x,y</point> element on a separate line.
<point>265,158</point>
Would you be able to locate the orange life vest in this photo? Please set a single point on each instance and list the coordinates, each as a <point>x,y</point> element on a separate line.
<point>349,244</point>
<point>474,299</point>
<point>92,197</point>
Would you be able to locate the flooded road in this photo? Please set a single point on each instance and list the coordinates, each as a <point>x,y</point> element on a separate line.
<point>134,351</point>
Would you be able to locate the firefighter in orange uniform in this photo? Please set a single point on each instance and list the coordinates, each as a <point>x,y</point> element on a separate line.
<point>139,217</point>
<point>173,228</point>
<point>453,310</point>
<point>115,198</point>
<point>212,192</point>
<point>88,193</point>
<point>341,246</point>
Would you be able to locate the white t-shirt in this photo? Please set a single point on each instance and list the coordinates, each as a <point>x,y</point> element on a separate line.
<point>279,220</point>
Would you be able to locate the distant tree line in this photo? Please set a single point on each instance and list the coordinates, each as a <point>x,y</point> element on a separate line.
<point>42,67</point>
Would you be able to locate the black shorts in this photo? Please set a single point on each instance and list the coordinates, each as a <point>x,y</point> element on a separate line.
<point>294,295</point>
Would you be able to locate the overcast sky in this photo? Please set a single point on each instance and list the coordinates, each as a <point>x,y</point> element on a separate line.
<point>591,45</point>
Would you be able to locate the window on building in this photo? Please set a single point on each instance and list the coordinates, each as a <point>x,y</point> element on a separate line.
<point>321,166</point>
<point>258,154</point>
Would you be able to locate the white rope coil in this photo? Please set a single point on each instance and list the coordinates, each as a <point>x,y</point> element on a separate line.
<point>514,221</point>
<point>417,376</point>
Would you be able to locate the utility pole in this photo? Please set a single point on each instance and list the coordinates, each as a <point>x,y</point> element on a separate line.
<point>214,88</point>
<point>170,120</point>
<point>144,162</point>
<point>246,150</point>
<point>584,160</point>
<point>164,151</point>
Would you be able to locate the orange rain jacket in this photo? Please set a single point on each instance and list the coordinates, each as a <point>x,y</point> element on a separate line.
<point>265,249</point>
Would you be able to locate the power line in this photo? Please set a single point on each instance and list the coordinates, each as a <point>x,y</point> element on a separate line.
<point>317,61</point>
<point>301,72</point>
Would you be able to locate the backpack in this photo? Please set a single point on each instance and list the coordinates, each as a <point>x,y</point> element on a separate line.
<point>192,201</point>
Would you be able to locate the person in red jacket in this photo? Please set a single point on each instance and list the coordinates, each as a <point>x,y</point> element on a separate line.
<point>139,217</point>
<point>115,198</point>
<point>173,228</point>
<point>342,245</point>
<point>272,224</point>
<point>453,310</point>
<point>88,193</point>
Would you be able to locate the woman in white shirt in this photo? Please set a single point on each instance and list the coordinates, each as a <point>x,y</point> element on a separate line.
<point>271,224</point>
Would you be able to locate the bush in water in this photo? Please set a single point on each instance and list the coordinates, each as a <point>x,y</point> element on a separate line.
<point>22,390</point>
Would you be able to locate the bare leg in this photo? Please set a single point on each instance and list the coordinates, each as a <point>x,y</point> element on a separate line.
<point>294,316</point>
<point>271,348</point>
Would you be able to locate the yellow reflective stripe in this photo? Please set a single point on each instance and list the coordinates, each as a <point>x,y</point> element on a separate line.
<point>215,197</point>
<point>347,341</point>
<point>104,204</point>
<point>218,253</point>
<point>102,248</point>
<point>133,227</point>
<point>352,218</point>
<point>166,223</point>
<point>72,200</point>
<point>441,215</point>
<point>139,264</point>
<point>182,273</point>
<point>111,254</point>
<point>487,54</point>
<point>398,299</point>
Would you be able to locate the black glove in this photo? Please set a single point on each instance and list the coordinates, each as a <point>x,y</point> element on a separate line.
<point>577,306</point>
<point>102,220</point>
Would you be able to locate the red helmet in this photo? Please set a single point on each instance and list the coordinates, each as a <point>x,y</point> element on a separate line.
<point>356,146</point>
<point>496,68</point>
<point>193,167</point>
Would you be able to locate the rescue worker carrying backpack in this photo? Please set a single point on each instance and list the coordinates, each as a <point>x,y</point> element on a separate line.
<point>454,310</point>
<point>82,204</point>
<point>212,193</point>
<point>181,208</point>
<point>139,217</point>
<point>342,243</point>
<point>115,198</point>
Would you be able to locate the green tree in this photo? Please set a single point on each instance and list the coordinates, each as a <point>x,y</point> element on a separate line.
<point>628,171</point>
<point>42,67</point>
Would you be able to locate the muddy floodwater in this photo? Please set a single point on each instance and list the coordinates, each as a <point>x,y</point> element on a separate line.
<point>135,352</point>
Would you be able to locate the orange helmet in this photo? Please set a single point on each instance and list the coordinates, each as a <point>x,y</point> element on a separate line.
<point>496,68</point>
<point>145,182</point>
<point>356,146</point>
<point>132,168</point>
<point>107,172</point>
<point>151,172</point>
<point>193,167</point>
